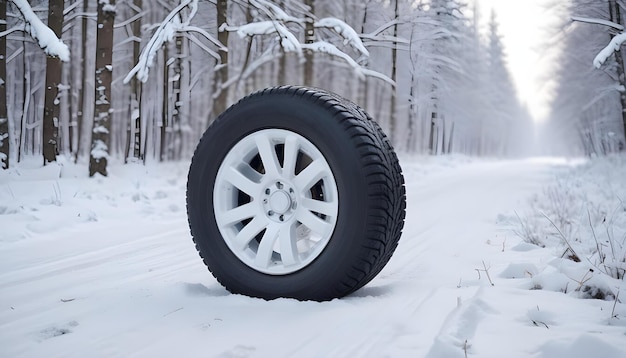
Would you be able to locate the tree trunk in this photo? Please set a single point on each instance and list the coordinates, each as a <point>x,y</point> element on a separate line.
<point>309,38</point>
<point>175,129</point>
<point>450,139</point>
<point>4,121</point>
<point>53,79</point>
<point>134,126</point>
<point>221,75</point>
<point>364,83</point>
<point>166,105</point>
<point>100,138</point>
<point>431,140</point>
<point>616,17</point>
<point>240,80</point>
<point>394,77</point>
<point>80,113</point>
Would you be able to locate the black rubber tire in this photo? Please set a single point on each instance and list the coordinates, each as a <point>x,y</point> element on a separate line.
<point>369,182</point>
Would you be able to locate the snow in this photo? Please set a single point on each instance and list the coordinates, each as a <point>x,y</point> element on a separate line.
<point>105,267</point>
<point>614,45</point>
<point>599,22</point>
<point>344,30</point>
<point>288,41</point>
<point>45,37</point>
<point>275,12</point>
<point>99,149</point>
<point>107,6</point>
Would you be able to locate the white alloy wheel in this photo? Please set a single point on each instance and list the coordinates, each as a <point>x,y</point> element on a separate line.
<point>275,201</point>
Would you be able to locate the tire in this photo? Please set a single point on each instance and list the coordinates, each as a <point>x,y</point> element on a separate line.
<point>295,192</point>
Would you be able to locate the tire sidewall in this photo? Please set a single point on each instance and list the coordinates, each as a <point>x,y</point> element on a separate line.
<point>322,125</point>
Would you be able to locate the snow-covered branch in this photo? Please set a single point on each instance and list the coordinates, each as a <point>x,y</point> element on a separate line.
<point>166,31</point>
<point>20,27</point>
<point>274,12</point>
<point>613,46</point>
<point>288,41</point>
<point>330,49</point>
<point>42,34</point>
<point>344,30</point>
<point>598,22</point>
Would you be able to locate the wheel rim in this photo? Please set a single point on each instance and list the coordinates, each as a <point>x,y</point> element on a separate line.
<point>275,201</point>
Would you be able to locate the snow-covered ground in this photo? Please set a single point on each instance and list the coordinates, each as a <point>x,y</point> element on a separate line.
<point>105,267</point>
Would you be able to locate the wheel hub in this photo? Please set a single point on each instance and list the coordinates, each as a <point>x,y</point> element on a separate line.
<point>279,201</point>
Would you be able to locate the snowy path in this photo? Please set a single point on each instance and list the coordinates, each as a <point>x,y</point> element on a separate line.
<point>120,278</point>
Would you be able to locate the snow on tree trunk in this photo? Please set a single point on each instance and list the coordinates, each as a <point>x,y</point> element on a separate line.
<point>170,130</point>
<point>101,124</point>
<point>4,121</point>
<point>53,81</point>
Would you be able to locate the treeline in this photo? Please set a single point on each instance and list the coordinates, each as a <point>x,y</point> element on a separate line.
<point>420,68</point>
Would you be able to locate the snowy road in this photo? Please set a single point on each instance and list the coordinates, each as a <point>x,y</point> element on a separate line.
<point>90,269</point>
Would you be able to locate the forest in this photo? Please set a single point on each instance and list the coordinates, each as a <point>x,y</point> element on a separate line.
<point>143,79</point>
<point>588,112</point>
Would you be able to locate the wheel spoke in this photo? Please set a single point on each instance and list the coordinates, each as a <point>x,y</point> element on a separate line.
<point>321,207</point>
<point>237,214</point>
<point>288,245</point>
<point>268,155</point>
<point>291,156</point>
<point>241,182</point>
<point>266,247</point>
<point>313,222</point>
<point>311,175</point>
<point>249,232</point>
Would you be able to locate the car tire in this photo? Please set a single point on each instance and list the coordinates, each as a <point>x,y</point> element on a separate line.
<point>295,192</point>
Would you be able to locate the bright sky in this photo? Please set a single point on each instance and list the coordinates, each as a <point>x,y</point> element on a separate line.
<point>523,25</point>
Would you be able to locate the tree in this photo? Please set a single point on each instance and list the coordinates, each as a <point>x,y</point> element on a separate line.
<point>4,121</point>
<point>221,74</point>
<point>309,38</point>
<point>445,71</point>
<point>53,46</point>
<point>53,80</point>
<point>616,22</point>
<point>133,137</point>
<point>587,110</point>
<point>394,74</point>
<point>104,67</point>
<point>501,92</point>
